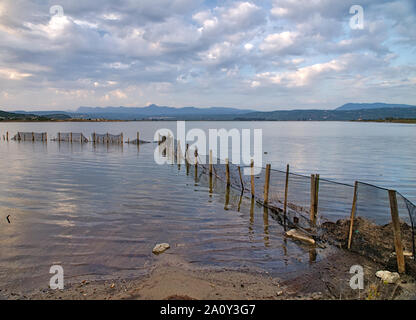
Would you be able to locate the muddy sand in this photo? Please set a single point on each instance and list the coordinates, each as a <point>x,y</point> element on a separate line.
<point>173,279</point>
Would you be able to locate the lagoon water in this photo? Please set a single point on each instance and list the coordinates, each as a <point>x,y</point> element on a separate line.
<point>98,211</point>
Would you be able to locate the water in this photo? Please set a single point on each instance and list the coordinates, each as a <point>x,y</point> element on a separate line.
<point>98,211</point>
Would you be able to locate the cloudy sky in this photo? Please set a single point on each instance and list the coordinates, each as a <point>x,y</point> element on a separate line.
<point>265,55</point>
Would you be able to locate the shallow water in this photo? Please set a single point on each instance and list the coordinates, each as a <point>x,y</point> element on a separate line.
<point>98,211</point>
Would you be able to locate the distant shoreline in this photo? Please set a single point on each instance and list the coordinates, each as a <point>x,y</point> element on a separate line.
<point>405,121</point>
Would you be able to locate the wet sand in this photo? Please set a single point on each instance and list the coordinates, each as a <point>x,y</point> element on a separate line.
<point>173,279</point>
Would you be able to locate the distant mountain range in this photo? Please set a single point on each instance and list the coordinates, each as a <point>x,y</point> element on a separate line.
<point>347,112</point>
<point>377,105</point>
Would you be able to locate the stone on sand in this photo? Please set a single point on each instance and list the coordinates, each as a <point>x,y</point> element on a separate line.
<point>387,276</point>
<point>161,247</point>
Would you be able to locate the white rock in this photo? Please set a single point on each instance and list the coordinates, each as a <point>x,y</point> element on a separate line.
<point>298,235</point>
<point>387,276</point>
<point>161,247</point>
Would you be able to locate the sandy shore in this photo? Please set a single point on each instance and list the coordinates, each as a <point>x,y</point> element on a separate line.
<point>173,279</point>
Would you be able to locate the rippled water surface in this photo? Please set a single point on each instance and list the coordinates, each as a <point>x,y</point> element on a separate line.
<point>98,211</point>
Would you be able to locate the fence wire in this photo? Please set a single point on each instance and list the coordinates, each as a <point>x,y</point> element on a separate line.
<point>30,136</point>
<point>70,137</point>
<point>372,233</point>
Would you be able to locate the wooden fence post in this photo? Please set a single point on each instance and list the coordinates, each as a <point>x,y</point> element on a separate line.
<point>210,162</point>
<point>353,210</point>
<point>314,198</point>
<point>267,184</point>
<point>227,172</point>
<point>286,189</point>
<point>396,231</point>
<point>252,178</point>
<point>241,178</point>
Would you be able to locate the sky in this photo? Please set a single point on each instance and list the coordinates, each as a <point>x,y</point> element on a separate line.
<point>263,55</point>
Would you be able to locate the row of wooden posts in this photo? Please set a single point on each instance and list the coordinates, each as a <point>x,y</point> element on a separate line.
<point>313,212</point>
<point>95,140</point>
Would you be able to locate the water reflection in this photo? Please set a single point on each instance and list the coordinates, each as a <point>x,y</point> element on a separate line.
<point>99,209</point>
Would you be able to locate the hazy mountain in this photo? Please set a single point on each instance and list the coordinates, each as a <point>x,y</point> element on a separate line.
<point>157,111</point>
<point>377,105</point>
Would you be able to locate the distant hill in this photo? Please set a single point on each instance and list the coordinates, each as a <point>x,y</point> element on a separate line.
<point>377,105</point>
<point>26,116</point>
<point>156,112</point>
<point>347,112</point>
<point>331,115</point>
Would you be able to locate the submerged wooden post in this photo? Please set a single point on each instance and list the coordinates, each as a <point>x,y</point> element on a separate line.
<point>210,163</point>
<point>252,178</point>
<point>46,137</point>
<point>353,210</point>
<point>286,189</point>
<point>241,178</point>
<point>178,153</point>
<point>7,135</point>
<point>59,136</point>
<point>121,138</point>
<point>396,231</point>
<point>196,164</point>
<point>266,184</point>
<point>33,136</point>
<point>138,137</point>
<point>107,137</point>
<point>227,172</point>
<point>70,136</point>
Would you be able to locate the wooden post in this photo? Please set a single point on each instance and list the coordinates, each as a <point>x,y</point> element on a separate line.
<point>107,136</point>
<point>178,153</point>
<point>46,137</point>
<point>59,136</point>
<point>138,137</point>
<point>210,163</point>
<point>227,172</point>
<point>196,164</point>
<point>7,135</point>
<point>252,178</point>
<point>353,210</point>
<point>122,138</point>
<point>286,189</point>
<point>312,212</point>
<point>267,184</point>
<point>396,231</point>
<point>241,178</point>
<point>33,136</point>
<point>186,158</point>
<point>70,135</point>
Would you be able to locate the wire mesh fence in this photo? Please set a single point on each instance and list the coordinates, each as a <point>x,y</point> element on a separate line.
<point>358,217</point>
<point>107,138</point>
<point>31,136</point>
<point>70,137</point>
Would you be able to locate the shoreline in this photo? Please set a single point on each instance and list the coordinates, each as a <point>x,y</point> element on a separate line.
<point>173,279</point>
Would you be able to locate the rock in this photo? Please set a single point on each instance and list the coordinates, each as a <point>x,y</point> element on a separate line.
<point>161,247</point>
<point>299,235</point>
<point>387,276</point>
